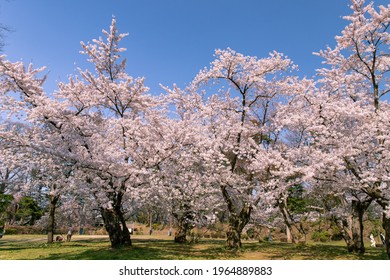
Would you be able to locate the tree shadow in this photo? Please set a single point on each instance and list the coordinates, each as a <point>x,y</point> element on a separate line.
<point>162,249</point>
<point>322,252</point>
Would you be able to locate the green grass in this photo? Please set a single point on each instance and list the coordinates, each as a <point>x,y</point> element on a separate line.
<point>34,247</point>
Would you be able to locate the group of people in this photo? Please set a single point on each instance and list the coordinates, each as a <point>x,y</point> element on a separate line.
<point>373,242</point>
<point>69,234</point>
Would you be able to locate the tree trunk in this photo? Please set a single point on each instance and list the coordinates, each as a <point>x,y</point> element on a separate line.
<point>386,227</point>
<point>283,209</point>
<point>236,225</point>
<point>288,234</point>
<point>358,209</point>
<point>181,235</point>
<point>125,233</point>
<point>343,225</point>
<point>51,223</point>
<point>352,229</point>
<point>238,219</point>
<point>116,228</point>
<point>184,225</point>
<point>357,235</point>
<point>233,235</point>
<point>114,220</point>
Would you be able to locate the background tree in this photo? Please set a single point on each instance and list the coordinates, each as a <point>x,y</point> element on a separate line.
<point>116,123</point>
<point>345,118</point>
<point>359,71</point>
<point>237,120</point>
<point>93,128</point>
<point>183,178</point>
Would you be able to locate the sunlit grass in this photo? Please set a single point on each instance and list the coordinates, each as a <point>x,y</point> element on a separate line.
<point>34,247</point>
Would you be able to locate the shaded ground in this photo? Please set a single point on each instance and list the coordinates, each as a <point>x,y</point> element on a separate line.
<point>23,247</point>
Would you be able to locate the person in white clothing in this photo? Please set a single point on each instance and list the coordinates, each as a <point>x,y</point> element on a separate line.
<point>372,240</point>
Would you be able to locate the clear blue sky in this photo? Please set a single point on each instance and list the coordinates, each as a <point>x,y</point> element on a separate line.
<point>170,40</point>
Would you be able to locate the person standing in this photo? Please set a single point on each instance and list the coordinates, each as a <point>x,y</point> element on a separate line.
<point>69,234</point>
<point>381,235</point>
<point>372,240</point>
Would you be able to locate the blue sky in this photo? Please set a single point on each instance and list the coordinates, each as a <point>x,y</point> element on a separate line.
<point>170,40</point>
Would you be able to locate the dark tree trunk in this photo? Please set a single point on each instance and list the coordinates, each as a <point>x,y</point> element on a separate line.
<point>344,226</point>
<point>384,203</point>
<point>184,224</point>
<point>238,219</point>
<point>358,209</point>
<point>352,228</point>
<point>181,235</point>
<point>386,227</point>
<point>51,223</point>
<point>126,237</point>
<point>233,235</point>
<point>283,209</point>
<point>114,220</point>
<point>236,225</point>
<point>116,228</point>
<point>357,235</point>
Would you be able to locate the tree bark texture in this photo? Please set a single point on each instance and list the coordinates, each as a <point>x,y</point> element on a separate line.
<point>51,222</point>
<point>238,219</point>
<point>283,209</point>
<point>184,227</point>
<point>386,227</point>
<point>344,227</point>
<point>115,225</point>
<point>236,225</point>
<point>181,235</point>
<point>358,210</point>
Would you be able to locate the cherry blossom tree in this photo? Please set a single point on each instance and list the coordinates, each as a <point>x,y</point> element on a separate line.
<point>99,124</point>
<point>359,71</point>
<point>346,118</point>
<point>117,126</point>
<point>23,101</point>
<point>246,132</point>
<point>280,169</point>
<point>183,178</point>
<point>11,174</point>
<point>237,121</point>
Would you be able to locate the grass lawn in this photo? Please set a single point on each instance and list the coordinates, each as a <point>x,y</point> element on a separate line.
<point>86,247</point>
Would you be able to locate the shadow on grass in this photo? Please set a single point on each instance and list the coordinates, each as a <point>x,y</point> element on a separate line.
<point>317,251</point>
<point>215,249</point>
<point>153,249</point>
<point>39,244</point>
<point>159,249</point>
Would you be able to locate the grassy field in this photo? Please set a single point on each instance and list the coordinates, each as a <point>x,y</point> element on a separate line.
<point>97,247</point>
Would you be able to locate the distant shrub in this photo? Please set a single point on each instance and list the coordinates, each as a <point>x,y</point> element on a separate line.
<point>101,231</point>
<point>195,236</point>
<point>336,234</point>
<point>300,244</point>
<point>218,234</point>
<point>253,233</point>
<point>322,236</point>
<point>11,231</point>
<point>158,227</point>
<point>24,230</point>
